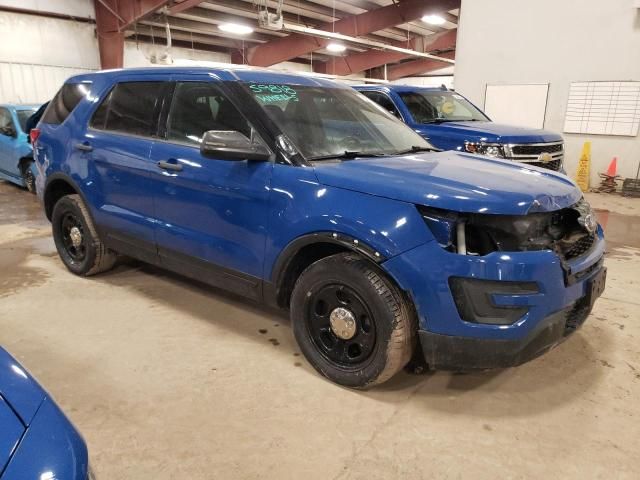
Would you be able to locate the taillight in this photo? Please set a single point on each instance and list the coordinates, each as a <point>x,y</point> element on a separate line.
<point>34,134</point>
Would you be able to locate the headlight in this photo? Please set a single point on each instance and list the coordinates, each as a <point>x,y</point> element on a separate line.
<point>494,150</point>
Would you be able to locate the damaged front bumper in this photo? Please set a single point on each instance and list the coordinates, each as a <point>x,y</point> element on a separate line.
<point>551,298</point>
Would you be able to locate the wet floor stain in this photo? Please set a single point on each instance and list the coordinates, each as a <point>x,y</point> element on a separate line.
<point>606,364</point>
<point>15,274</point>
<point>620,230</point>
<point>17,206</point>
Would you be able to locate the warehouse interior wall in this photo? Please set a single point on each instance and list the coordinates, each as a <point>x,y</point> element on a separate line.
<point>56,48</point>
<point>600,41</point>
<point>31,71</point>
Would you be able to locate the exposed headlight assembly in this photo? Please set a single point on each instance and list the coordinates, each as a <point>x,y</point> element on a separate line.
<point>569,232</point>
<point>493,150</point>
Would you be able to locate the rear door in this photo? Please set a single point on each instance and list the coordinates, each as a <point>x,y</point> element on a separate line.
<point>116,146</point>
<point>212,213</point>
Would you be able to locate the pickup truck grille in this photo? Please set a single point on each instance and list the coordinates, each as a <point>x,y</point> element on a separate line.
<point>530,153</point>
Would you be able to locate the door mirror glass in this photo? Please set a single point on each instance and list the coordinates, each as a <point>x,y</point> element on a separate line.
<point>232,145</point>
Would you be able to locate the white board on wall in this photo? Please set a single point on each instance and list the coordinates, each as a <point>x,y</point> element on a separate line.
<point>603,108</point>
<point>522,105</point>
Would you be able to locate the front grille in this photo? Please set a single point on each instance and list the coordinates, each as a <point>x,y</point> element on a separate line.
<point>552,165</point>
<point>580,247</point>
<point>536,149</point>
<point>576,316</point>
<point>529,153</point>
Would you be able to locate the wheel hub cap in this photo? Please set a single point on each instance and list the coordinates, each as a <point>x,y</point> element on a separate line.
<point>343,323</point>
<point>76,237</point>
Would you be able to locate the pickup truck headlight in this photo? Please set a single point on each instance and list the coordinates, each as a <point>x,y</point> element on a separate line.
<point>493,150</point>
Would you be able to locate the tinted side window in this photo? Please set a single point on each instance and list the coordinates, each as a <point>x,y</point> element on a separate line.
<point>384,101</point>
<point>5,120</point>
<point>198,107</point>
<point>131,108</point>
<point>99,118</point>
<point>64,102</point>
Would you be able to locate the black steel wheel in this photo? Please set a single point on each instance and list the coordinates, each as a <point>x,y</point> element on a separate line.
<point>74,237</point>
<point>29,178</point>
<point>351,322</point>
<point>77,241</point>
<point>341,325</point>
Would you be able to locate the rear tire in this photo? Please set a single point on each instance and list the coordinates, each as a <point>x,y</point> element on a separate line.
<point>351,322</point>
<point>77,240</point>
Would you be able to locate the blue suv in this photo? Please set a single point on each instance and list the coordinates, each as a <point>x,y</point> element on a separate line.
<point>299,192</point>
<point>451,122</point>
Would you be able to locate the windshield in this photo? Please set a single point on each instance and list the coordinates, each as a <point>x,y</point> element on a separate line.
<point>23,116</point>
<point>440,106</point>
<point>326,122</point>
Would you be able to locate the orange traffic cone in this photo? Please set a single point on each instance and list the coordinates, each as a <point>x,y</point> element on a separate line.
<point>608,183</point>
<point>613,167</point>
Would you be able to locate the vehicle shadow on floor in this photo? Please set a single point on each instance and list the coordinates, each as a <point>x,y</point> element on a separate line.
<point>568,371</point>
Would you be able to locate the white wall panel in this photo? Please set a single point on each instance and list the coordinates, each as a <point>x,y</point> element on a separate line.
<point>38,54</point>
<point>28,83</point>
<point>75,8</point>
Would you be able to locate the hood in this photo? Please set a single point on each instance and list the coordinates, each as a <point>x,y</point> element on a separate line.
<point>491,132</point>
<point>454,181</point>
<point>18,388</point>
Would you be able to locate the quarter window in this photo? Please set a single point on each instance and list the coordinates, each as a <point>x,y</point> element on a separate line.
<point>198,107</point>
<point>67,98</point>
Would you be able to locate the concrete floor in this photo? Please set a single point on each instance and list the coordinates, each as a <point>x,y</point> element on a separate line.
<point>167,378</point>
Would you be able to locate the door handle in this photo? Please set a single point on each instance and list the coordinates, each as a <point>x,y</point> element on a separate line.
<point>85,147</point>
<point>170,165</point>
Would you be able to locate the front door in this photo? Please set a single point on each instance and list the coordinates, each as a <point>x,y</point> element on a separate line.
<point>211,213</point>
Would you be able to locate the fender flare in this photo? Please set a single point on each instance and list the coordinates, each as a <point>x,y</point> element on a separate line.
<point>289,252</point>
<point>67,179</point>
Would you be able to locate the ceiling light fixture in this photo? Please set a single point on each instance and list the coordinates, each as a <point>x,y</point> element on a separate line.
<point>433,19</point>
<point>235,28</point>
<point>336,47</point>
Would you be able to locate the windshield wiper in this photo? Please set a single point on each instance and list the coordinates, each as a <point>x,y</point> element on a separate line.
<point>347,155</point>
<point>416,149</point>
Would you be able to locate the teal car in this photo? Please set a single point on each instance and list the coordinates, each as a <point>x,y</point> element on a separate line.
<point>16,154</point>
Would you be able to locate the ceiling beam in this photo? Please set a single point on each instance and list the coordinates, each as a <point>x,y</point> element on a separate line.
<point>112,18</point>
<point>184,5</point>
<point>283,49</point>
<point>417,67</point>
<point>358,62</point>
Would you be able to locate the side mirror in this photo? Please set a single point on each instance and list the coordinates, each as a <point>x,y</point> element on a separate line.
<point>232,145</point>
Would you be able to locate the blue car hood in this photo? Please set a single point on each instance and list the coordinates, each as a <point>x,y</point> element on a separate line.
<point>454,181</point>
<point>19,389</point>
<point>491,132</point>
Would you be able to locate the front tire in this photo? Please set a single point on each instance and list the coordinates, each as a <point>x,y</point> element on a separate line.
<point>77,240</point>
<point>351,322</point>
